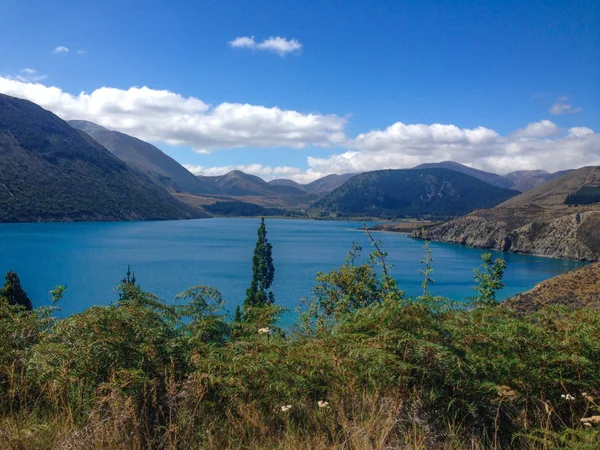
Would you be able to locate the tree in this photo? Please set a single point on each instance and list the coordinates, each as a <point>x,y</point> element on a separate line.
<point>14,293</point>
<point>128,288</point>
<point>263,271</point>
<point>489,279</point>
<point>427,260</point>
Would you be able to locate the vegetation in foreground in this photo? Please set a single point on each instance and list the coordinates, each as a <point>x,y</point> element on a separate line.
<point>367,367</point>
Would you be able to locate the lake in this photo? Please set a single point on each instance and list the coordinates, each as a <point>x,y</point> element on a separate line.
<point>170,256</point>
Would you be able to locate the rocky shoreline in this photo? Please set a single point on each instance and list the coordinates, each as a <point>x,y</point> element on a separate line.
<point>572,236</point>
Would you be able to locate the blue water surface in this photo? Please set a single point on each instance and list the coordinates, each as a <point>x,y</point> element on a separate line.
<point>170,256</point>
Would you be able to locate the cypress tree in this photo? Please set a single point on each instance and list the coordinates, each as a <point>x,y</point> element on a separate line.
<point>263,271</point>
<point>14,293</point>
<point>127,286</point>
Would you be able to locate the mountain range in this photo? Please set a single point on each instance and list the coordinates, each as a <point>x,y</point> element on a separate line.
<point>53,170</point>
<point>50,171</point>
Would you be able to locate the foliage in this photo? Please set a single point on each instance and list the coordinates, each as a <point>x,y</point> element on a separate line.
<point>369,369</point>
<point>489,279</point>
<point>586,195</point>
<point>263,271</point>
<point>13,293</point>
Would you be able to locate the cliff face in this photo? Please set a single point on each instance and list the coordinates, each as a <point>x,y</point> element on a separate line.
<point>537,222</point>
<point>571,236</point>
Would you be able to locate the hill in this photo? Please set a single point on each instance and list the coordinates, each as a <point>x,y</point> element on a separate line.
<point>146,158</point>
<point>412,193</point>
<point>535,222</point>
<point>525,180</point>
<point>490,178</point>
<point>328,183</point>
<point>50,171</point>
<point>579,288</point>
<point>554,193</point>
<point>288,183</point>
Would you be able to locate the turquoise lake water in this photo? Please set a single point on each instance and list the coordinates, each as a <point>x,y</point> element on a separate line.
<point>170,256</point>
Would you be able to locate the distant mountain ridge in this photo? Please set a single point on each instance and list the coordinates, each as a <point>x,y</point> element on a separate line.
<point>50,171</point>
<point>525,180</point>
<point>490,178</point>
<point>435,192</point>
<point>147,159</point>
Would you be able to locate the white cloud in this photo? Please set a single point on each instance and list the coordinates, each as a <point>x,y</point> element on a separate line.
<point>563,106</point>
<point>164,116</point>
<point>541,129</point>
<point>168,117</point>
<point>28,75</point>
<point>541,145</point>
<point>60,49</point>
<point>279,45</point>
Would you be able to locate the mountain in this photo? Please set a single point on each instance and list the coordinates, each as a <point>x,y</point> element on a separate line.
<point>50,171</point>
<point>525,180</point>
<point>412,192</point>
<point>576,289</point>
<point>146,158</point>
<point>548,220</point>
<point>488,177</point>
<point>288,183</point>
<point>328,183</point>
<point>554,193</point>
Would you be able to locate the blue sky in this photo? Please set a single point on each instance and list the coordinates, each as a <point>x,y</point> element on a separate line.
<point>509,82</point>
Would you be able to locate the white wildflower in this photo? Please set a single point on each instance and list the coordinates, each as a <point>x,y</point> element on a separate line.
<point>265,330</point>
<point>568,397</point>
<point>323,404</point>
<point>285,408</point>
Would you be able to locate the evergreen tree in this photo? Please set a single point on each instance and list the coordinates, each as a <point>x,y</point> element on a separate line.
<point>14,293</point>
<point>263,271</point>
<point>127,286</point>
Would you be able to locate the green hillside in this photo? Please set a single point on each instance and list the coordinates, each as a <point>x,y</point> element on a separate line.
<point>51,172</point>
<point>412,193</point>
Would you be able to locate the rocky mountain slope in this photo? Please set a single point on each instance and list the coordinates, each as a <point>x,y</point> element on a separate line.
<point>412,193</point>
<point>579,288</point>
<point>536,222</point>
<point>50,171</point>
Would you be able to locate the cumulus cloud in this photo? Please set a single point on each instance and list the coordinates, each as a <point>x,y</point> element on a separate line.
<point>60,49</point>
<point>279,45</point>
<point>164,116</point>
<point>540,145</point>
<point>168,117</point>
<point>563,106</point>
<point>541,129</point>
